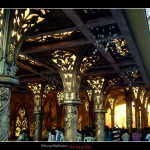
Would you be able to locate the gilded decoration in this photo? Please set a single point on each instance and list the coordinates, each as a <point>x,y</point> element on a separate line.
<point>67,65</point>
<point>89,92</point>
<point>21,121</point>
<point>25,58</point>
<point>96,83</point>
<point>16,24</point>
<point>36,89</point>
<point>21,107</point>
<point>40,91</point>
<point>111,102</point>
<point>65,62</point>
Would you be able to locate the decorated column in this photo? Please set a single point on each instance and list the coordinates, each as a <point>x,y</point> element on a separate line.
<point>100,88</point>
<point>145,105</point>
<point>97,85</point>
<point>89,93</point>
<point>128,99</point>
<point>15,25</point>
<point>112,110</point>
<point>137,105</point>
<point>40,91</point>
<point>143,99</point>
<point>71,70</point>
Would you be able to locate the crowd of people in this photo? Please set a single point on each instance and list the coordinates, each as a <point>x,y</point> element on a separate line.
<point>116,134</point>
<point>122,134</point>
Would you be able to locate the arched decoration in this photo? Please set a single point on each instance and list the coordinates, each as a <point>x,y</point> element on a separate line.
<point>22,121</point>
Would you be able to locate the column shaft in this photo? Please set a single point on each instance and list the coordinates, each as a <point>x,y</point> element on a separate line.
<point>38,127</point>
<point>5,94</point>
<point>100,126</point>
<point>112,117</point>
<point>137,117</point>
<point>71,120</point>
<point>129,115</point>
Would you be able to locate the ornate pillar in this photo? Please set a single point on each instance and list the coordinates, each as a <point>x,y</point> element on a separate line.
<point>89,92</point>
<point>5,93</point>
<point>146,110</point>
<point>136,105</point>
<point>129,115</point>
<point>112,110</point>
<point>137,116</point>
<point>39,90</point>
<point>128,99</point>
<point>97,85</point>
<point>71,70</point>
<point>15,25</point>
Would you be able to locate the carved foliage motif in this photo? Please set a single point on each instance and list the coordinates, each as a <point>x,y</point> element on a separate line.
<point>65,62</point>
<point>60,97</point>
<point>40,91</point>
<point>111,102</point>
<point>135,91</point>
<point>15,24</point>
<point>142,93</point>
<point>23,21</point>
<point>87,62</point>
<point>89,92</point>
<point>21,121</point>
<point>97,85</point>
<point>36,89</point>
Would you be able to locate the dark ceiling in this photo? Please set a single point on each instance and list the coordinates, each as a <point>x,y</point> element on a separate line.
<point>103,32</point>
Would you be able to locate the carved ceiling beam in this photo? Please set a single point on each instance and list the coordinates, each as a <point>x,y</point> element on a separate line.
<point>79,23</point>
<point>55,46</point>
<point>88,24</point>
<point>28,68</point>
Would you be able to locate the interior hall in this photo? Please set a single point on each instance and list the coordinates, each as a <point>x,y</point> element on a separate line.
<point>78,74</point>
